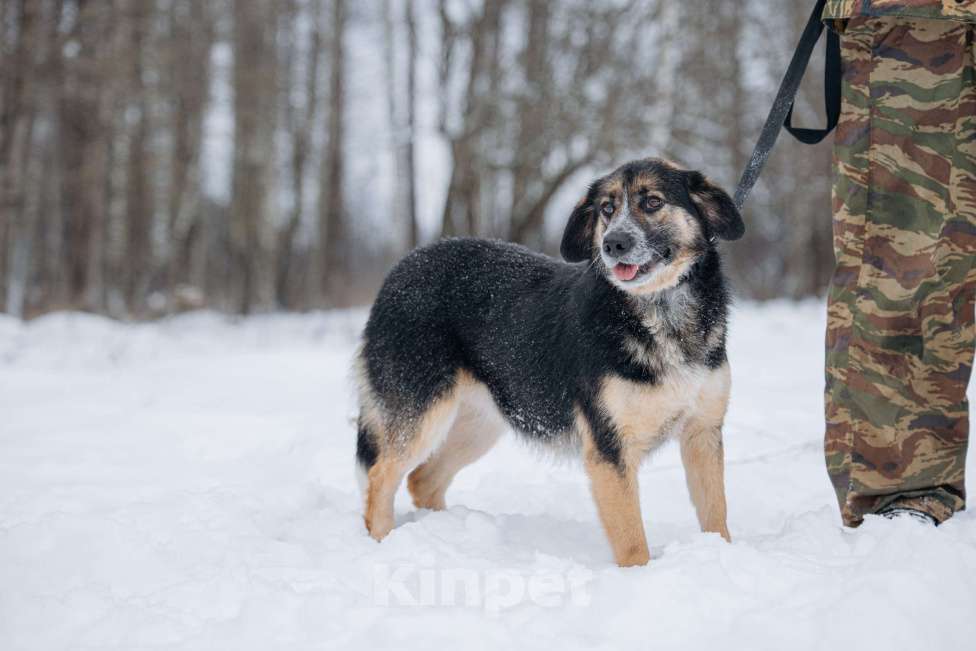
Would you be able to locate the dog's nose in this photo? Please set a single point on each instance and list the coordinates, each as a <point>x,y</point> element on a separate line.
<point>618,244</point>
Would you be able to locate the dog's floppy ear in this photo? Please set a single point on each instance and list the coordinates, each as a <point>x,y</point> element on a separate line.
<point>715,206</point>
<point>577,244</point>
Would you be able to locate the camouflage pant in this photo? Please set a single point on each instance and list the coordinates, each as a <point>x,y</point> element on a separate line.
<point>900,331</point>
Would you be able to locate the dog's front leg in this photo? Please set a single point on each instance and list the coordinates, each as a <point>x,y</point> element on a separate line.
<point>614,489</point>
<point>703,456</point>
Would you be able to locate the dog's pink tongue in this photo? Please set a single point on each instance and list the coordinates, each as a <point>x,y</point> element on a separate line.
<point>625,271</point>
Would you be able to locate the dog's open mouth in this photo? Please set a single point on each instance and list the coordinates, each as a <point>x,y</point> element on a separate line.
<point>628,272</point>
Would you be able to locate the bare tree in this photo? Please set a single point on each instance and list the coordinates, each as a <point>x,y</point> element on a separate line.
<point>191,35</point>
<point>525,125</point>
<point>17,115</point>
<point>402,116</point>
<point>410,128</point>
<point>299,119</point>
<point>533,103</point>
<point>139,199</point>
<point>255,88</point>
<point>47,250</point>
<point>462,209</point>
<point>565,126</point>
<point>332,204</point>
<point>85,106</point>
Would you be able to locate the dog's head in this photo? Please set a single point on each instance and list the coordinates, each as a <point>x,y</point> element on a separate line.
<point>648,222</point>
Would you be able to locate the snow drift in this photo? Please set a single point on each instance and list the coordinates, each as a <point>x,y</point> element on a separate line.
<point>189,484</point>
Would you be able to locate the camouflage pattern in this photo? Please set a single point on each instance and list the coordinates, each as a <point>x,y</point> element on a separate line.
<point>961,10</point>
<point>900,332</point>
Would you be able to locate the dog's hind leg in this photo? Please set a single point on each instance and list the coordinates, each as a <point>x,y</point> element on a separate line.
<point>475,431</point>
<point>703,456</point>
<point>398,453</point>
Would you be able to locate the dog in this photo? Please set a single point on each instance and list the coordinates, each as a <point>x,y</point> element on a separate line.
<point>610,353</point>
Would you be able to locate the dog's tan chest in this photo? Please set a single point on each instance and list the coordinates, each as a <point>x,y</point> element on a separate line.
<point>645,415</point>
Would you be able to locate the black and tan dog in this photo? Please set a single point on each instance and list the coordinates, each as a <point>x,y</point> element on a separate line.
<point>610,353</point>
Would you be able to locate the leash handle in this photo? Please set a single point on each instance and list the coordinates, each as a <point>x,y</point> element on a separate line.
<point>781,114</point>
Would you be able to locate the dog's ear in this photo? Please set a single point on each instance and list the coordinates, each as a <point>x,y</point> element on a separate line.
<point>577,244</point>
<point>715,206</point>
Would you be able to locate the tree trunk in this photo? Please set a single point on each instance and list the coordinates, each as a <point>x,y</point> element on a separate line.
<point>409,155</point>
<point>17,116</point>
<point>402,120</point>
<point>332,226</point>
<point>191,36</point>
<point>530,146</point>
<point>84,109</point>
<point>300,123</point>
<point>139,200</point>
<point>462,214</point>
<point>255,91</point>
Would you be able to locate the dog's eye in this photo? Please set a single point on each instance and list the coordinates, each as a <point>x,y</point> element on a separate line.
<point>650,204</point>
<point>607,209</point>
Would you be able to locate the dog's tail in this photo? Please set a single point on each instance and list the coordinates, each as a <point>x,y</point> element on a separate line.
<point>367,452</point>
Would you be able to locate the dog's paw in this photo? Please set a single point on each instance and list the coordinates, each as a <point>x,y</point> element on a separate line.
<point>378,530</point>
<point>634,558</point>
<point>425,493</point>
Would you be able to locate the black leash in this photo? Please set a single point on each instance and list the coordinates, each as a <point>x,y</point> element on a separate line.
<point>781,115</point>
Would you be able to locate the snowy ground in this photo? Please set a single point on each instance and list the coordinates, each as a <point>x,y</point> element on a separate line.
<point>189,485</point>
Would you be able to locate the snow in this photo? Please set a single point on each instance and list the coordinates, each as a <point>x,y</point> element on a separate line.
<point>189,484</point>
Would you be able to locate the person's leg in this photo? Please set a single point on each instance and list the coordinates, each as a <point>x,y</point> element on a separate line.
<point>900,308</point>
